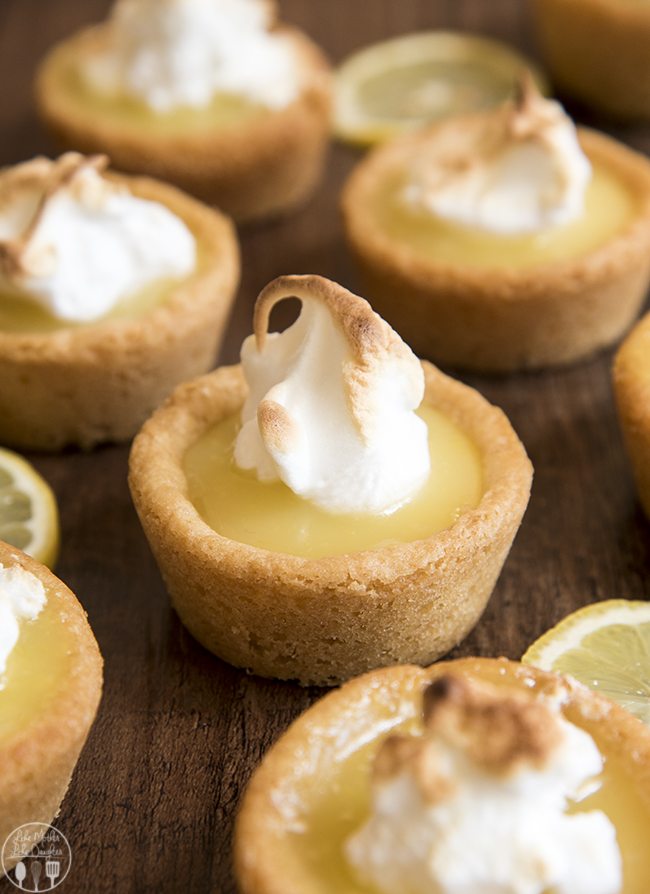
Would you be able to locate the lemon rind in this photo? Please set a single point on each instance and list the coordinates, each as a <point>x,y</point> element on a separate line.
<point>571,631</point>
<point>353,126</point>
<point>44,524</point>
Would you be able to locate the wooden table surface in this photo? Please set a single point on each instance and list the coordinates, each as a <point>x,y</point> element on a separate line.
<point>152,802</point>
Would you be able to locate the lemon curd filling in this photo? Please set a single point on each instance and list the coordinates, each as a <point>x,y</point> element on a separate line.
<point>224,110</point>
<point>270,516</point>
<point>609,207</point>
<point>21,315</point>
<point>334,801</point>
<point>35,669</point>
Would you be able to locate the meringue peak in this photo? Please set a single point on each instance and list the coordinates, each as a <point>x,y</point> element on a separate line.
<point>77,242</point>
<point>478,802</point>
<point>46,178</point>
<point>498,732</point>
<point>518,168</point>
<point>332,400</point>
<point>184,52</point>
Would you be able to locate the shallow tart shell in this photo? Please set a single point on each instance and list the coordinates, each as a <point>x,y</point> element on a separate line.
<point>269,858</point>
<point>265,165</point>
<point>597,50</point>
<point>494,319</point>
<point>324,620</point>
<point>36,764</point>
<point>632,389</point>
<point>98,382</point>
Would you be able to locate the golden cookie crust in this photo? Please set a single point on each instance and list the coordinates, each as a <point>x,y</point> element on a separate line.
<point>268,858</point>
<point>325,620</point>
<point>265,166</point>
<point>98,382</point>
<point>36,764</point>
<point>632,390</point>
<point>497,320</point>
<point>597,50</point>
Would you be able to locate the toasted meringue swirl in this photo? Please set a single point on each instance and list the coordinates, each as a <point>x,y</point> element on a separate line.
<point>174,53</point>
<point>479,801</point>
<point>516,169</point>
<point>77,243</point>
<point>331,405</point>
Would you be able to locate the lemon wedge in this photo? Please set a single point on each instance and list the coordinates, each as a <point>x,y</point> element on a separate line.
<point>29,518</point>
<point>605,646</point>
<point>398,85</point>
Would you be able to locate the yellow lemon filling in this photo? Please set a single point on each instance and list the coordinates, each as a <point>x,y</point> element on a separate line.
<point>36,669</point>
<point>270,516</point>
<point>21,315</point>
<point>224,110</point>
<point>609,207</point>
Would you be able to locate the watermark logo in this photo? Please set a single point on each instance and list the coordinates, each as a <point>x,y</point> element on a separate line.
<point>40,856</point>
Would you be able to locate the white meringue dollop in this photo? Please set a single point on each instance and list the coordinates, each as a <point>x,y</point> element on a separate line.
<point>331,403</point>
<point>441,822</point>
<point>514,170</point>
<point>77,244</point>
<point>174,53</point>
<point>22,598</point>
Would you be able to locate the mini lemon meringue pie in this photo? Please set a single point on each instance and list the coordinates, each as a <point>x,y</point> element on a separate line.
<point>112,290</point>
<point>476,775</point>
<point>632,390</point>
<point>505,239</point>
<point>212,95</point>
<point>50,686</point>
<point>597,50</point>
<point>333,504</point>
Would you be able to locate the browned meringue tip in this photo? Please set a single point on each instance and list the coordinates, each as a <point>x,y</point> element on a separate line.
<point>370,338</point>
<point>526,90</point>
<point>529,113</point>
<point>463,145</point>
<point>364,330</point>
<point>498,730</point>
<point>11,258</point>
<point>51,176</point>
<point>420,756</point>
<point>278,427</point>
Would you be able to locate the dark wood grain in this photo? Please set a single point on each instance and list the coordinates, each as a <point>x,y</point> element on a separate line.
<point>152,802</point>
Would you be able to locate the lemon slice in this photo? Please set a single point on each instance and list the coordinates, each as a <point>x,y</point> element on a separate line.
<point>395,86</point>
<point>607,647</point>
<point>29,518</point>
